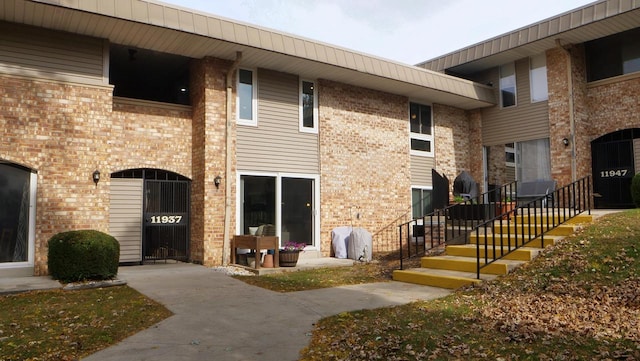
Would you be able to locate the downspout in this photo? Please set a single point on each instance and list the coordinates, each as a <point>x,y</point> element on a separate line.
<point>572,125</point>
<point>227,161</point>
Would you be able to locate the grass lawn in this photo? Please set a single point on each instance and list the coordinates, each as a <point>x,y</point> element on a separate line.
<point>67,325</point>
<point>579,300</point>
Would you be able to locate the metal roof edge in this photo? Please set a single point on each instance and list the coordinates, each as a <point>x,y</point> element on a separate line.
<point>156,13</point>
<point>622,6</point>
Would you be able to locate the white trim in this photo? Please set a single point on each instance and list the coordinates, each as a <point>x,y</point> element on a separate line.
<point>515,85</point>
<point>254,98</point>
<point>278,176</point>
<point>301,126</point>
<point>31,237</point>
<point>531,82</point>
<point>420,136</point>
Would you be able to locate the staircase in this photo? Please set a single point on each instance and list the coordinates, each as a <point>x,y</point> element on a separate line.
<point>501,244</point>
<point>458,266</point>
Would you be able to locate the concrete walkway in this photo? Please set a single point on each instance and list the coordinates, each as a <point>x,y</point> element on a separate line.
<point>217,317</point>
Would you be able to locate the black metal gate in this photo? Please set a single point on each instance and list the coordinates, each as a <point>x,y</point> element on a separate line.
<point>613,169</point>
<point>166,220</point>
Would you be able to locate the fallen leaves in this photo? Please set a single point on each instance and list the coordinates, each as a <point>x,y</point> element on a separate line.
<point>578,300</point>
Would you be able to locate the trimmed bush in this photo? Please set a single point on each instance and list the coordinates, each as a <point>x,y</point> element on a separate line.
<point>83,255</point>
<point>635,189</point>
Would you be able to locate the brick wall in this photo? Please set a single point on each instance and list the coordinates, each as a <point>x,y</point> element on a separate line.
<point>599,108</point>
<point>208,90</point>
<point>61,131</point>
<point>364,161</point>
<point>66,131</point>
<point>453,139</point>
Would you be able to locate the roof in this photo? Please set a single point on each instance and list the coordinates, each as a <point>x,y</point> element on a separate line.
<point>171,29</point>
<point>592,21</point>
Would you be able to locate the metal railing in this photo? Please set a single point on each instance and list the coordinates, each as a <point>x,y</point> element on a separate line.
<point>494,210</point>
<point>508,232</point>
<point>452,223</point>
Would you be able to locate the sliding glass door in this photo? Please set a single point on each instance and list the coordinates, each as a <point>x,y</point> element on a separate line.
<point>286,202</point>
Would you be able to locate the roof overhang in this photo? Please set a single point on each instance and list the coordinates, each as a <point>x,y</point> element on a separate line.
<point>171,29</point>
<point>577,26</point>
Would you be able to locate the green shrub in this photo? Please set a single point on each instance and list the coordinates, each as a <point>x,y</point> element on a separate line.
<point>635,190</point>
<point>83,255</point>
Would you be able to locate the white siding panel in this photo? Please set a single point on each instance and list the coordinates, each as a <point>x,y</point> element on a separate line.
<point>125,217</point>
<point>421,170</point>
<point>28,51</point>
<point>276,144</point>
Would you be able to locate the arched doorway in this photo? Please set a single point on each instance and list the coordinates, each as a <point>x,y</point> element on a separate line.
<point>615,158</point>
<point>149,214</point>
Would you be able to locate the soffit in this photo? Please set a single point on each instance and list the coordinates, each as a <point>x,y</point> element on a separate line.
<point>167,28</point>
<point>587,23</point>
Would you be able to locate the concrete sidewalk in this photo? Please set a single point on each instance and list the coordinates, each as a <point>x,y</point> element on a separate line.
<point>217,317</point>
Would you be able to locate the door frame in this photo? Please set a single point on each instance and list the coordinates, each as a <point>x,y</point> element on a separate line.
<point>278,176</point>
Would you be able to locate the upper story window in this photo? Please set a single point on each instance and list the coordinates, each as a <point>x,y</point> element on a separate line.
<point>247,95</point>
<point>613,55</point>
<point>149,75</point>
<point>538,75</point>
<point>308,107</point>
<point>421,128</point>
<point>508,85</point>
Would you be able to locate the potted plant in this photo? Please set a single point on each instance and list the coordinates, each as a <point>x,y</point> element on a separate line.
<point>289,253</point>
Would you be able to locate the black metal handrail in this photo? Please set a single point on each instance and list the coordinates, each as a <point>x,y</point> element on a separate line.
<point>491,210</point>
<point>530,220</point>
<point>452,222</point>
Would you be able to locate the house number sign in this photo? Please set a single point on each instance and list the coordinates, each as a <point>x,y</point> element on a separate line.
<point>614,173</point>
<point>165,219</point>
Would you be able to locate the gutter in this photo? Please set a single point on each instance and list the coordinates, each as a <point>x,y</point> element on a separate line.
<point>226,251</point>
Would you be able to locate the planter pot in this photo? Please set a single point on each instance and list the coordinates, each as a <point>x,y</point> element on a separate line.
<point>289,258</point>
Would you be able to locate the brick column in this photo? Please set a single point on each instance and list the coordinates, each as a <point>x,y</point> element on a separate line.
<point>208,91</point>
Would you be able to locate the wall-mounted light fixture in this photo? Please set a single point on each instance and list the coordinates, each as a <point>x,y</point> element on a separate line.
<point>217,181</point>
<point>96,177</point>
<point>565,141</point>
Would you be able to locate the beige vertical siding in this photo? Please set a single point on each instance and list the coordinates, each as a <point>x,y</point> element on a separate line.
<point>525,121</point>
<point>48,54</point>
<point>125,217</point>
<point>276,144</point>
<point>421,170</point>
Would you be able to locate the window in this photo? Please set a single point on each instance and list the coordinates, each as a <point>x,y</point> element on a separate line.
<point>508,85</point>
<point>247,97</point>
<point>538,74</point>
<point>308,107</point>
<point>421,128</point>
<point>613,55</point>
<point>510,154</point>
<point>421,203</point>
<point>149,75</point>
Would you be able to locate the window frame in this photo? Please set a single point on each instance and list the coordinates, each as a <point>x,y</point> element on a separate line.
<point>510,150</point>
<point>421,136</point>
<point>534,84</point>
<point>502,80</point>
<point>302,127</point>
<point>254,99</point>
<point>421,189</point>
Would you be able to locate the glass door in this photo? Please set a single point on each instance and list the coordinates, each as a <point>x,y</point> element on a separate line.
<point>297,210</point>
<point>286,202</point>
